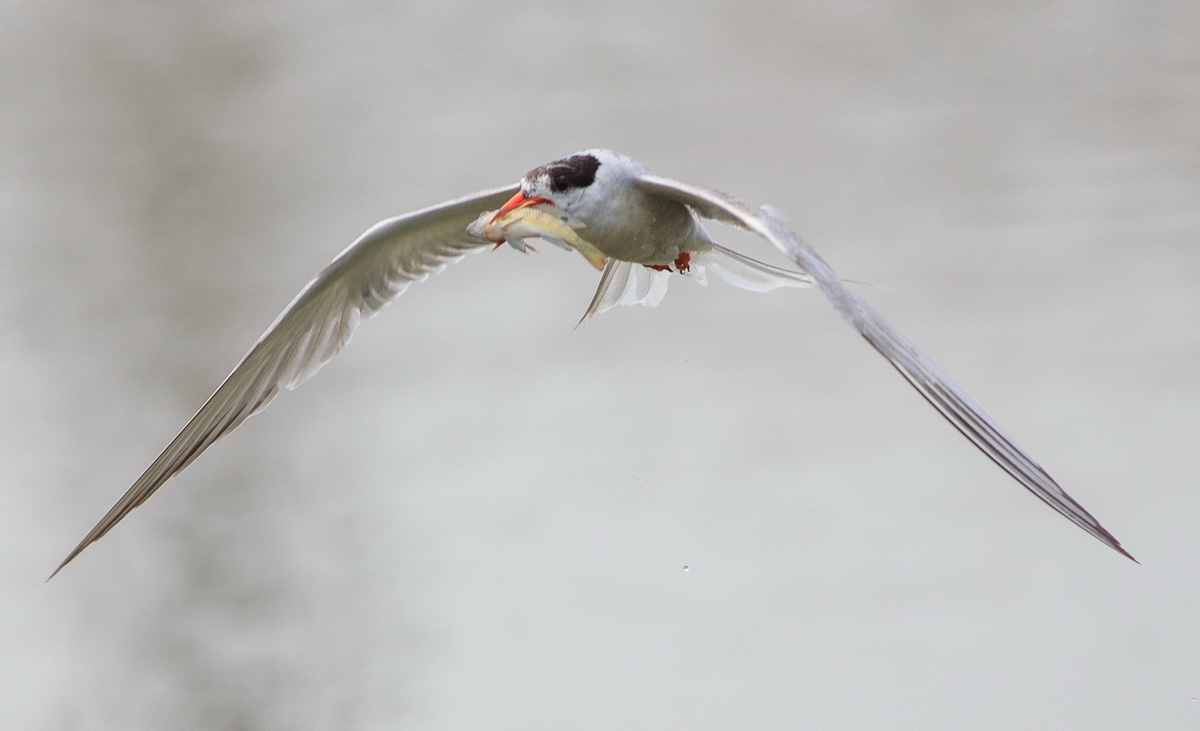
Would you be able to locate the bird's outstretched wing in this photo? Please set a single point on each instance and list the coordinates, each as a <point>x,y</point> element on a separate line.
<point>929,380</point>
<point>371,272</point>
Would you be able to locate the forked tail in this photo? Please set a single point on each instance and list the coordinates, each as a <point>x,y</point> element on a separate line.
<point>627,283</point>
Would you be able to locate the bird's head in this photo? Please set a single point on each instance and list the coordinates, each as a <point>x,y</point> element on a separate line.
<point>572,185</point>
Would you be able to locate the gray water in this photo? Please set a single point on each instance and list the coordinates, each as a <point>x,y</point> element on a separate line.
<point>477,517</point>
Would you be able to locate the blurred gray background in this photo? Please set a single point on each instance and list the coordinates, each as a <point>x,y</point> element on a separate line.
<point>477,517</point>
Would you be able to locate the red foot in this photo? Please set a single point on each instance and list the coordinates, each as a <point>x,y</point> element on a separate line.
<point>683,263</point>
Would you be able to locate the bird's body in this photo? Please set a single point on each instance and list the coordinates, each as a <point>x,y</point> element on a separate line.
<point>645,225</point>
<point>630,223</point>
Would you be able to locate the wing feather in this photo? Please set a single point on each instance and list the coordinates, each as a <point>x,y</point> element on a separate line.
<point>925,375</point>
<point>366,276</point>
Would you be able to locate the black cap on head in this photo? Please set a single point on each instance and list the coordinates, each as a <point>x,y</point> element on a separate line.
<point>576,171</point>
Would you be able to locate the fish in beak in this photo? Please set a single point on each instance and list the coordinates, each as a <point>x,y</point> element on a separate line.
<point>524,218</point>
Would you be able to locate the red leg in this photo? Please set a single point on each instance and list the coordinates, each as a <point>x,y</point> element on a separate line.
<point>683,263</point>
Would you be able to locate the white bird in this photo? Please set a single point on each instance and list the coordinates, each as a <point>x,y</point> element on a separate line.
<point>645,224</point>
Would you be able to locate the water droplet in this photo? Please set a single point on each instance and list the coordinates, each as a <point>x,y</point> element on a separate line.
<point>687,568</point>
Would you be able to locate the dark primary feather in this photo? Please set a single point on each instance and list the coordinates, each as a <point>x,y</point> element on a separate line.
<point>371,272</point>
<point>929,380</point>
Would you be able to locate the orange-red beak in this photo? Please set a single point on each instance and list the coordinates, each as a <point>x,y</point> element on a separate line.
<point>517,201</point>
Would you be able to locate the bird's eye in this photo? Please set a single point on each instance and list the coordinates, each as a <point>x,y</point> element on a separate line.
<point>559,183</point>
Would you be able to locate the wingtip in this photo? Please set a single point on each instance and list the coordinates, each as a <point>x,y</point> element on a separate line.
<point>1121,550</point>
<point>55,572</point>
<point>1108,539</point>
<point>71,557</point>
<point>1105,537</point>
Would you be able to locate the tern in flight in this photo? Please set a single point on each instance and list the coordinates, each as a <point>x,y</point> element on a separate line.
<point>638,226</point>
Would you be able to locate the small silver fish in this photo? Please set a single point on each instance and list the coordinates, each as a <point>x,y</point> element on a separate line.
<point>529,222</point>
